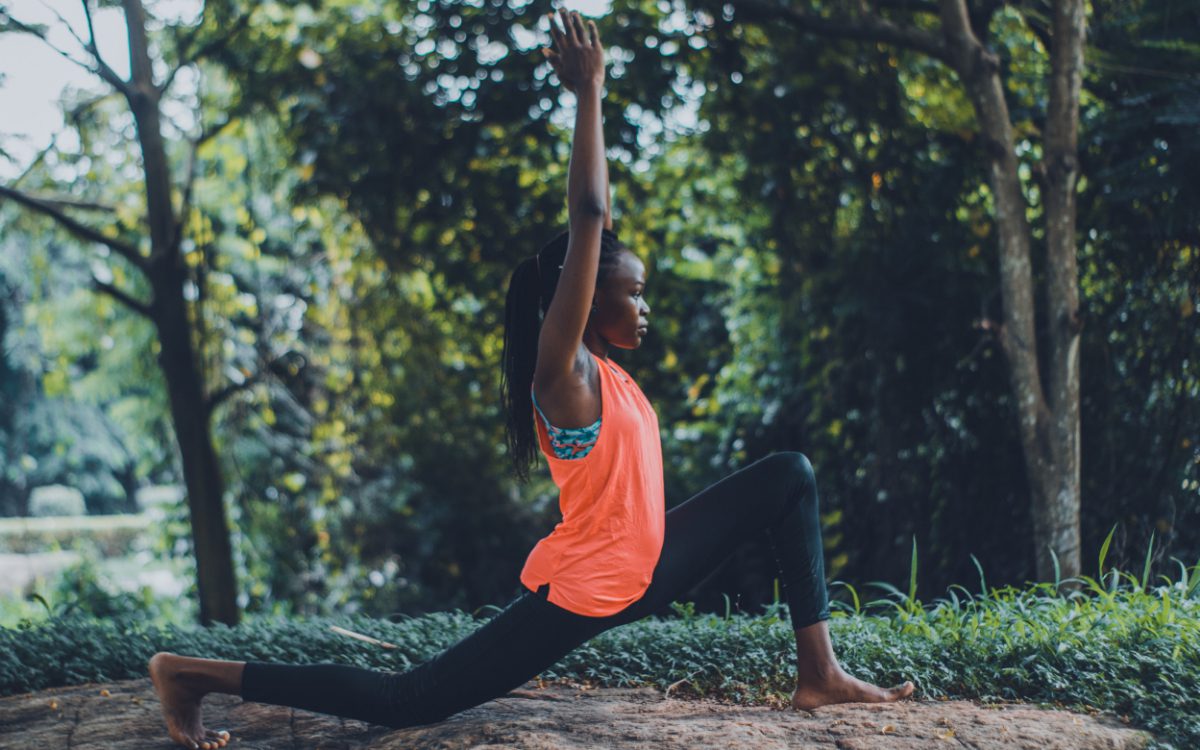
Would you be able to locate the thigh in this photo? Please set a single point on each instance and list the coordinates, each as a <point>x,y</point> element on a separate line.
<point>526,637</point>
<point>702,532</point>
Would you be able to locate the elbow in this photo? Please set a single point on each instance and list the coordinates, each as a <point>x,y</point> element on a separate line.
<point>589,207</point>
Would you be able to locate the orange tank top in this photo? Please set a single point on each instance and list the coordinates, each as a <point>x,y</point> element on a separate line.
<point>600,557</point>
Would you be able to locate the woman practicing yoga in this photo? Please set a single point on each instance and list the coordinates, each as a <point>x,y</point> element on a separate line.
<point>616,557</point>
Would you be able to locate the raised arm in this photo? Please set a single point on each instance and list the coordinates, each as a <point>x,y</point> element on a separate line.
<point>569,84</point>
<point>579,62</point>
<point>607,199</point>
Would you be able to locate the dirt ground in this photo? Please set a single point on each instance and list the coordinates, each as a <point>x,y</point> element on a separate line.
<point>557,716</point>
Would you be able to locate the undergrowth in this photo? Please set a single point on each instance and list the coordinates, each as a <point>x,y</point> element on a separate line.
<point>1115,643</point>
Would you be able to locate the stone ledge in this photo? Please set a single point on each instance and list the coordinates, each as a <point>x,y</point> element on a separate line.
<point>559,717</point>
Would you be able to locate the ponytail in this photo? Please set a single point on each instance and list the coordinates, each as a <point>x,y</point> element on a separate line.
<point>530,290</point>
<point>522,324</point>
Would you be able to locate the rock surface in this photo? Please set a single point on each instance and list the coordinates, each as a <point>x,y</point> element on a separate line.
<point>126,716</point>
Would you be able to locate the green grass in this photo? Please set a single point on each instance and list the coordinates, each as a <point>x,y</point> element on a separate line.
<point>1118,643</point>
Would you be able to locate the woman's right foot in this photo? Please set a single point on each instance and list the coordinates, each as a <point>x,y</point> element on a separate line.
<point>843,688</point>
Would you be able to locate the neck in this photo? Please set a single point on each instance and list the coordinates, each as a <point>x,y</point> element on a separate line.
<point>596,345</point>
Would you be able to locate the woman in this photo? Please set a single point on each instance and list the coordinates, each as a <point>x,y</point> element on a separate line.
<point>616,557</point>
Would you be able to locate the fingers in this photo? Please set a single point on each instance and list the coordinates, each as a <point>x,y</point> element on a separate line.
<point>581,33</point>
<point>574,30</point>
<point>556,34</point>
<point>568,23</point>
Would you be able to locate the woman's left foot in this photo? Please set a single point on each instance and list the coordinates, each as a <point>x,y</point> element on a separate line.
<point>843,688</point>
<point>181,705</point>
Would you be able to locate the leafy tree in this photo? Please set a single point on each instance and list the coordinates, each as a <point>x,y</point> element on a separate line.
<point>1140,273</point>
<point>1045,389</point>
<point>150,249</point>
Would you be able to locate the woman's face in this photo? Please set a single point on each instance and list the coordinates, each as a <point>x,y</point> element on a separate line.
<point>620,317</point>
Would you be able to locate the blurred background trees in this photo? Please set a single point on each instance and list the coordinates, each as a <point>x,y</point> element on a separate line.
<point>820,244</point>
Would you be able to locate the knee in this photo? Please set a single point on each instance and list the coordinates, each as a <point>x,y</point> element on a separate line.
<point>412,699</point>
<point>796,466</point>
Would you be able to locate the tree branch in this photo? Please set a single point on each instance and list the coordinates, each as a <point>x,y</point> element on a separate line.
<point>82,205</point>
<point>981,16</point>
<point>275,366</point>
<point>967,55</point>
<point>141,308</point>
<point>866,27</point>
<point>100,69</point>
<point>84,232</point>
<point>71,116</point>
<point>1039,24</point>
<point>186,204</point>
<point>37,159</point>
<point>219,397</point>
<point>41,34</point>
<point>187,57</point>
<point>916,6</point>
<point>103,68</point>
<point>78,110</point>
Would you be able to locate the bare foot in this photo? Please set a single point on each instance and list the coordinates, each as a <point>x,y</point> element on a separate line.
<point>181,704</point>
<point>843,688</point>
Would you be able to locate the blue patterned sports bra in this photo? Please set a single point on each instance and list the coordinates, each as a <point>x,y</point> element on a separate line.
<point>569,442</point>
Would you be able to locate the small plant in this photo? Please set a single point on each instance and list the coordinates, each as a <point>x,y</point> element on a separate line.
<point>1128,646</point>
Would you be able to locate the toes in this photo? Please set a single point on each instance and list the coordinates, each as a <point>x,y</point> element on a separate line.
<point>219,739</point>
<point>901,691</point>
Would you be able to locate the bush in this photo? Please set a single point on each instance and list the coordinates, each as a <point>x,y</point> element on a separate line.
<point>56,500</point>
<point>1133,653</point>
<point>1116,644</point>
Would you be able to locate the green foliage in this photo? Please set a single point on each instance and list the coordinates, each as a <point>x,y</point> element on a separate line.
<point>820,245</point>
<point>867,252</point>
<point>1139,276</point>
<point>80,590</point>
<point>1134,652</point>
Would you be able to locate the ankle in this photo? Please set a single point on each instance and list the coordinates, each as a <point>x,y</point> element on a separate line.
<point>817,674</point>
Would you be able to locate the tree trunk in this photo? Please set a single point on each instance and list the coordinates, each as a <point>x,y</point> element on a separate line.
<point>1049,428</point>
<point>1060,522</point>
<point>168,309</point>
<point>215,577</point>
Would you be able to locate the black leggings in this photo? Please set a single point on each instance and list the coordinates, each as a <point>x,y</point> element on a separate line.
<point>776,494</point>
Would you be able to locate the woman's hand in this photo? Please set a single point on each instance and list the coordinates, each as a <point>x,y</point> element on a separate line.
<point>578,57</point>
